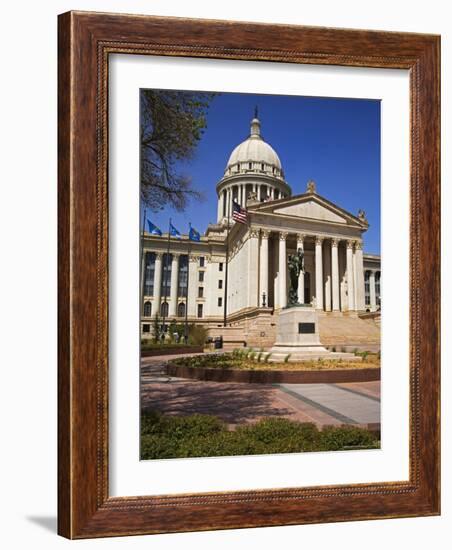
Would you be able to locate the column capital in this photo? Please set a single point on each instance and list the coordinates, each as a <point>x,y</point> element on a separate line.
<point>176,255</point>
<point>283,235</point>
<point>335,241</point>
<point>300,238</point>
<point>158,255</point>
<point>319,239</point>
<point>350,243</point>
<point>193,258</point>
<point>253,232</point>
<point>358,245</point>
<point>265,233</point>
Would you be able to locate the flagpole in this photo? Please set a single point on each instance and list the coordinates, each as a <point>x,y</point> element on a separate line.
<point>166,276</point>
<point>226,277</point>
<point>188,279</point>
<point>142,270</point>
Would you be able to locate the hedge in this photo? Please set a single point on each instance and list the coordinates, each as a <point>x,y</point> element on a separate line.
<point>200,435</point>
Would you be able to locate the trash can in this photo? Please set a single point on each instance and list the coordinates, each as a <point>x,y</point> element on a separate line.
<point>218,342</point>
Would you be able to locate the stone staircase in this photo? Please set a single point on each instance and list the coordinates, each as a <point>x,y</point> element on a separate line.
<point>348,331</point>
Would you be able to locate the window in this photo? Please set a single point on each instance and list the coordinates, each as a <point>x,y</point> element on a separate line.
<point>166,274</point>
<point>200,292</point>
<point>183,276</point>
<point>220,283</point>
<point>181,310</point>
<point>147,310</point>
<point>377,287</point>
<point>202,261</point>
<point>220,302</point>
<point>164,309</point>
<point>220,266</point>
<point>149,271</point>
<point>367,288</point>
<point>201,276</point>
<point>262,167</point>
<point>146,328</point>
<point>199,311</point>
<point>250,165</point>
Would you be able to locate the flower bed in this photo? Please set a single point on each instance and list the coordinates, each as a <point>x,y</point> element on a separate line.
<point>239,367</point>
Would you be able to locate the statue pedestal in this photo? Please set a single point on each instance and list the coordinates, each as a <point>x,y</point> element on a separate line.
<point>298,335</point>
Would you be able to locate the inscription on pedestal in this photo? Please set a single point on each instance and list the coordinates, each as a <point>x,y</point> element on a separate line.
<point>306,328</point>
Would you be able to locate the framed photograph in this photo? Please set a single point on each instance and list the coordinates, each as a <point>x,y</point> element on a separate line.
<point>248,275</point>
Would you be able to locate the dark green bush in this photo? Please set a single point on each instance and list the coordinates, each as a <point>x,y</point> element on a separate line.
<point>204,435</point>
<point>337,438</point>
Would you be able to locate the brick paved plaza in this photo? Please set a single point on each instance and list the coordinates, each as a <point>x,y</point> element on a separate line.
<point>237,403</point>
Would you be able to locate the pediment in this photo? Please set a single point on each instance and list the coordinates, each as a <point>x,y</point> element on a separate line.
<point>312,210</point>
<point>311,206</point>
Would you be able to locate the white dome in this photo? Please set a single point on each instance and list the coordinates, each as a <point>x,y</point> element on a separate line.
<point>254,149</point>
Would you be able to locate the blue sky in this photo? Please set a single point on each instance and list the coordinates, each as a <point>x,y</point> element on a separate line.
<point>335,142</point>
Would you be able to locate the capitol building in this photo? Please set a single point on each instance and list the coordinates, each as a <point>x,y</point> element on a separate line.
<point>340,281</point>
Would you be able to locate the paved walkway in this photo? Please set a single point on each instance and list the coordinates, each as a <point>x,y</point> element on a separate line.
<point>236,403</point>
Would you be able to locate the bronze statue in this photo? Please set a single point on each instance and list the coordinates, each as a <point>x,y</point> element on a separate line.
<point>296,266</point>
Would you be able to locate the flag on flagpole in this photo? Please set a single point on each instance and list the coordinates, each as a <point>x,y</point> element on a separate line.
<point>153,229</point>
<point>193,235</point>
<point>239,214</point>
<point>174,232</point>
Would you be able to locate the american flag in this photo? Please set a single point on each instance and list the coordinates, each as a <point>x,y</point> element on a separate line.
<point>239,214</point>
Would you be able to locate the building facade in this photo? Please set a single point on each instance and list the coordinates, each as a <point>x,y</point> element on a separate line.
<point>339,279</point>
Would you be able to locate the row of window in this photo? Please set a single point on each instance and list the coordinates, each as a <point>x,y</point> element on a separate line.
<point>367,288</point>
<point>164,309</point>
<point>181,308</point>
<point>182,285</point>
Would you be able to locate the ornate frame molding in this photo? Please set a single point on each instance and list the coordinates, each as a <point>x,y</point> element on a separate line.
<point>85,42</point>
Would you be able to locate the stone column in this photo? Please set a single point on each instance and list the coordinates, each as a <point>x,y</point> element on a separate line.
<point>350,277</point>
<point>373,295</point>
<point>300,290</point>
<point>220,206</point>
<point>253,267</point>
<point>327,277</point>
<point>318,273</point>
<point>335,273</point>
<point>192,285</point>
<point>173,288</point>
<point>282,276</point>
<point>157,284</point>
<point>263,267</point>
<point>360,304</point>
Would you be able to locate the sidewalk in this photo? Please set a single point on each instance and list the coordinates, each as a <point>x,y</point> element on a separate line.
<point>323,404</point>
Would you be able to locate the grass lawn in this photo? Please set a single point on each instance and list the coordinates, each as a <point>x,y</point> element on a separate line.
<point>249,361</point>
<point>164,436</point>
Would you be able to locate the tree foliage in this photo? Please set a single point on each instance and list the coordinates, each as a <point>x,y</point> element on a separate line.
<point>172,123</point>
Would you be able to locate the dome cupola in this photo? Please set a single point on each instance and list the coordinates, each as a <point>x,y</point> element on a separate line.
<point>254,155</point>
<point>253,172</point>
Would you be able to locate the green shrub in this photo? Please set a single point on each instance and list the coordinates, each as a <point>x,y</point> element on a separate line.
<point>203,435</point>
<point>267,357</point>
<point>337,438</point>
<point>259,355</point>
<point>355,351</point>
<point>287,357</point>
<point>197,334</point>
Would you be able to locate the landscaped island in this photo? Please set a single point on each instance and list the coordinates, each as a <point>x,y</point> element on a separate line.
<point>260,360</point>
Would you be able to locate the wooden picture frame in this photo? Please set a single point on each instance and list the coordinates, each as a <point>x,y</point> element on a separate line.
<point>86,40</point>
